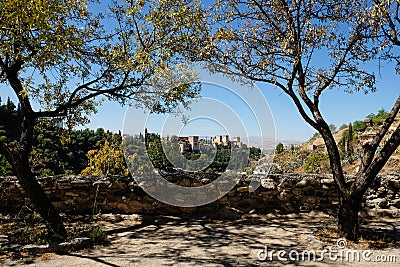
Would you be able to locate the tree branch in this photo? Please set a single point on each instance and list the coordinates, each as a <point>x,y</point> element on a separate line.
<point>328,81</point>
<point>379,162</point>
<point>61,110</point>
<point>370,148</point>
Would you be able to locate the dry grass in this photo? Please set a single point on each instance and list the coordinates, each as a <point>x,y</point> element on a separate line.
<point>31,229</point>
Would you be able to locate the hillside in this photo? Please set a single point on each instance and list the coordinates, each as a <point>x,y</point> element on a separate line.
<point>360,138</point>
<point>311,156</point>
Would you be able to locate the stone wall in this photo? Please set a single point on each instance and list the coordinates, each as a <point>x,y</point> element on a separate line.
<point>277,193</point>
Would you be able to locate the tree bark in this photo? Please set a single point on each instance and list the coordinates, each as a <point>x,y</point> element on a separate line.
<point>348,221</point>
<point>37,195</point>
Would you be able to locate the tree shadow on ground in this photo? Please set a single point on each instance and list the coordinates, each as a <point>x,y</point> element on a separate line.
<point>176,241</point>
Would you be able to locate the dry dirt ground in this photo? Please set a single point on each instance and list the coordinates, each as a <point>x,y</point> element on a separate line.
<point>171,241</point>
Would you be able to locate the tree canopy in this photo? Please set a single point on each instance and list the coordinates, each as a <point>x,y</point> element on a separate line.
<point>61,58</point>
<point>281,43</point>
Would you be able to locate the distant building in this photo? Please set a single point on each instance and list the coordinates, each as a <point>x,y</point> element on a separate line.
<point>368,122</point>
<point>193,143</point>
<point>367,136</point>
<point>236,142</point>
<point>221,140</point>
<point>189,143</point>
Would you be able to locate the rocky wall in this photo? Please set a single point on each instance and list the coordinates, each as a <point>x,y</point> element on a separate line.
<point>277,193</point>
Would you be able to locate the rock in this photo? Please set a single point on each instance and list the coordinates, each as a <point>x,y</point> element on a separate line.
<point>35,248</point>
<point>395,183</point>
<point>286,183</point>
<point>307,181</point>
<point>109,217</point>
<point>284,196</point>
<point>268,184</point>
<point>4,240</point>
<point>122,207</point>
<point>327,181</point>
<point>205,181</point>
<point>378,203</point>
<point>131,217</point>
<point>228,213</point>
<point>243,189</point>
<point>71,194</point>
<point>396,203</point>
<point>74,244</point>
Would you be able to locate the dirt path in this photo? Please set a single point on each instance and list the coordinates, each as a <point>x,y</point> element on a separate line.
<point>169,241</point>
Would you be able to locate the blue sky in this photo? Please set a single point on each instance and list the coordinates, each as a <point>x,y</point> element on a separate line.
<point>337,107</point>
<point>226,107</point>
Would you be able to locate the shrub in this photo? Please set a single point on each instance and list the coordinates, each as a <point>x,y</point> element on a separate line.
<point>279,148</point>
<point>317,163</point>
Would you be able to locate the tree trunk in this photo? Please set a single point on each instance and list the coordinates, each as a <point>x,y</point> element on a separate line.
<point>37,196</point>
<point>348,223</point>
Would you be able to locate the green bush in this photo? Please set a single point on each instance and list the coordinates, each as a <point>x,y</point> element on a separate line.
<point>359,126</point>
<point>97,235</point>
<point>378,118</point>
<point>5,167</point>
<point>279,148</point>
<point>317,163</point>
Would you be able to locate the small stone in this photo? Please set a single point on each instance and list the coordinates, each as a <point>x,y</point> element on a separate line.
<point>327,181</point>
<point>243,189</point>
<point>71,194</point>
<point>284,196</point>
<point>268,184</point>
<point>123,207</point>
<point>394,183</point>
<point>307,181</point>
<point>205,181</point>
<point>223,199</point>
<point>4,240</point>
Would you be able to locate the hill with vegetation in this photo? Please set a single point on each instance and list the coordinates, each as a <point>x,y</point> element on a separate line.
<point>311,156</point>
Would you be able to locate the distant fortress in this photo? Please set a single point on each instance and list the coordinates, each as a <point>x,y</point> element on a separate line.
<point>193,143</point>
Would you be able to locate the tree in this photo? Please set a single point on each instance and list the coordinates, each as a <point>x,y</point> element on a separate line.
<point>279,148</point>
<point>108,160</point>
<point>281,43</point>
<point>58,55</point>
<point>359,126</point>
<point>379,118</point>
<point>255,153</point>
<point>350,148</point>
<point>332,127</point>
<point>343,126</point>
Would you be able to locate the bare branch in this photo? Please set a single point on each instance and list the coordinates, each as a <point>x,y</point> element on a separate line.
<point>380,160</point>
<point>370,148</point>
<point>328,81</point>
